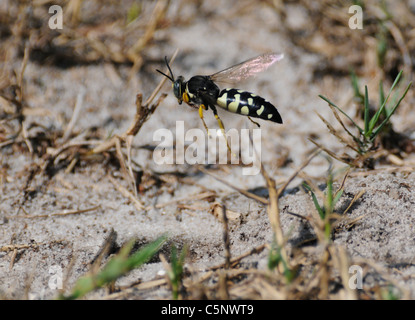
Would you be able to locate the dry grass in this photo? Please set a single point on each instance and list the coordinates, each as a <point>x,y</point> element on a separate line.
<point>318,271</point>
<point>384,45</point>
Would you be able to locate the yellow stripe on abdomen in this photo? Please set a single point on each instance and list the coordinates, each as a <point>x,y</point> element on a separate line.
<point>232,106</point>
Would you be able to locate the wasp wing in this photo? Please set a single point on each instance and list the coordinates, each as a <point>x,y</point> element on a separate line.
<point>246,69</point>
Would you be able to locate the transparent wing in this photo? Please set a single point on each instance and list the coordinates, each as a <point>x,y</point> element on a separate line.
<point>246,69</point>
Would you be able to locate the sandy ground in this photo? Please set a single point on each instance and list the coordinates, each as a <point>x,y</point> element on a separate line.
<point>384,234</point>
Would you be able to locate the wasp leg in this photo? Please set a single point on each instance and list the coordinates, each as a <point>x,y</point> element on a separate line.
<point>254,122</point>
<point>201,117</point>
<point>222,127</point>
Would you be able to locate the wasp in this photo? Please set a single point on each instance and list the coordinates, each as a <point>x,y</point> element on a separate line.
<point>202,92</point>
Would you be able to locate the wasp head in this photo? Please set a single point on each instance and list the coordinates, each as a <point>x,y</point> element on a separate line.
<point>178,88</point>
<point>178,84</point>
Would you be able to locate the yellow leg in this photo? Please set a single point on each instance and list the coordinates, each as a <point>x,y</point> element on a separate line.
<point>201,117</point>
<point>222,127</point>
<point>220,124</point>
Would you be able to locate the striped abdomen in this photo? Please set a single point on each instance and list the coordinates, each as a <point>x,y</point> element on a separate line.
<point>247,104</point>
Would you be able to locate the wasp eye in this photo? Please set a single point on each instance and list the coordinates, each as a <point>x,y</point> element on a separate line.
<point>177,89</point>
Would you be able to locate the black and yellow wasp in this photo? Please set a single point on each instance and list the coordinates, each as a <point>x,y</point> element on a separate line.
<point>203,93</point>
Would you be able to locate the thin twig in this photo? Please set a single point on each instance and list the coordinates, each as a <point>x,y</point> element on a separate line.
<point>292,177</point>
<point>198,196</point>
<point>355,198</point>
<point>103,251</point>
<point>242,191</point>
<point>143,112</point>
<point>226,239</point>
<point>75,114</point>
<point>138,205</point>
<point>64,213</point>
<point>237,259</point>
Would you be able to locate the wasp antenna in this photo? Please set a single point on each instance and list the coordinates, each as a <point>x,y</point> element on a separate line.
<point>168,67</point>
<point>168,77</point>
<point>167,64</point>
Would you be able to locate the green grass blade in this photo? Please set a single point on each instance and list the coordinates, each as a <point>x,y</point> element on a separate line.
<point>329,195</point>
<point>355,86</point>
<point>382,95</point>
<point>115,268</point>
<point>275,258</point>
<point>375,118</point>
<point>316,204</point>
<point>344,113</point>
<point>377,130</point>
<point>366,113</point>
<point>133,12</point>
<point>337,196</point>
<point>176,272</point>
